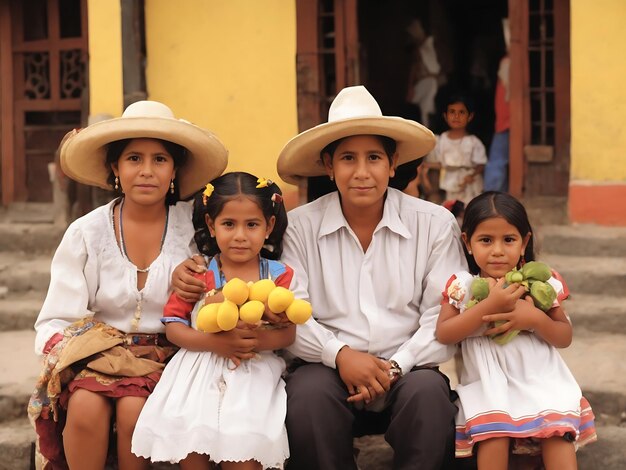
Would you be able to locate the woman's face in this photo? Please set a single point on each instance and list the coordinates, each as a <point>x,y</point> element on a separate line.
<point>361,169</point>
<point>145,170</point>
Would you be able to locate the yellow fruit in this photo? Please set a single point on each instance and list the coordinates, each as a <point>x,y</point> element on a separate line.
<point>236,291</point>
<point>279,299</point>
<point>299,311</point>
<point>227,315</point>
<point>261,289</point>
<point>252,311</point>
<point>207,319</point>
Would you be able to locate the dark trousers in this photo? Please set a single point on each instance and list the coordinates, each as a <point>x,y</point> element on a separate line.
<point>419,421</point>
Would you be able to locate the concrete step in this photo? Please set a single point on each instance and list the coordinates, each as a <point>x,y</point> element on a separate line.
<point>16,444</point>
<point>28,213</point>
<point>585,275</point>
<point>597,313</point>
<point>19,369</point>
<point>23,272</point>
<point>19,311</point>
<point>30,238</point>
<point>581,240</point>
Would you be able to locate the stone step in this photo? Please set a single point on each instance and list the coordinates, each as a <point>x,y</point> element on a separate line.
<point>19,311</point>
<point>583,275</point>
<point>27,213</point>
<point>19,369</point>
<point>23,272</point>
<point>30,238</point>
<point>16,444</point>
<point>597,313</point>
<point>581,240</point>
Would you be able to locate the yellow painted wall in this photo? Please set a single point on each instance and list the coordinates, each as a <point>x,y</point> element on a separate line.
<point>228,65</point>
<point>106,90</point>
<point>598,60</point>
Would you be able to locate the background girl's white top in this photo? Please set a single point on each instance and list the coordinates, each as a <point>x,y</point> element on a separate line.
<point>90,275</point>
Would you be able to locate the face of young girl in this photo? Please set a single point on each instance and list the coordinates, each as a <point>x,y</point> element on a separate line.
<point>496,246</point>
<point>145,170</point>
<point>240,230</point>
<point>361,169</point>
<point>457,116</point>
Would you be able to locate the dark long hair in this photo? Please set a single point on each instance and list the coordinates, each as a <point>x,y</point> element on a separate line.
<point>178,153</point>
<point>496,204</point>
<point>226,188</point>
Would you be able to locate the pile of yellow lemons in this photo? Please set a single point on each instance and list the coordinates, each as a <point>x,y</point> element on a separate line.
<point>246,301</point>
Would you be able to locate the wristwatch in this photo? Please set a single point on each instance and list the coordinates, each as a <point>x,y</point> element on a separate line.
<point>395,370</point>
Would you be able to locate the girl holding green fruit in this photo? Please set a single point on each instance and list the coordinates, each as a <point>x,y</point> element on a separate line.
<point>222,398</point>
<point>515,393</point>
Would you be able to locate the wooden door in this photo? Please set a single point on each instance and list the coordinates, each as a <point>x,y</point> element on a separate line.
<point>540,97</point>
<point>48,66</point>
<point>327,61</point>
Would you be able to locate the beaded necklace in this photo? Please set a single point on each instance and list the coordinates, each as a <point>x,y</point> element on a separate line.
<point>121,236</point>
<point>137,315</point>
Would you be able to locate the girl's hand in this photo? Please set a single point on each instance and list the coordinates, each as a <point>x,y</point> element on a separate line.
<point>366,377</point>
<point>525,316</point>
<point>504,299</point>
<point>239,343</point>
<point>184,284</point>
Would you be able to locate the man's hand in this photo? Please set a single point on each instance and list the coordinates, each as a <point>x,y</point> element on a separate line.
<point>185,285</point>
<point>366,376</point>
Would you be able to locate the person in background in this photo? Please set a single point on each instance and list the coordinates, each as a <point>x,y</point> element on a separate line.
<point>459,155</point>
<point>497,168</point>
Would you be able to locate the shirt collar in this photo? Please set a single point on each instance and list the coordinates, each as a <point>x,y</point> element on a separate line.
<point>333,218</point>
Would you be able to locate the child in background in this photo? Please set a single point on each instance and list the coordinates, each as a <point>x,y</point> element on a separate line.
<point>222,396</point>
<point>460,155</point>
<point>521,391</point>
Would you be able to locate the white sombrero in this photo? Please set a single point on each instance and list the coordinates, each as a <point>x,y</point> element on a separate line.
<point>353,112</point>
<point>83,154</point>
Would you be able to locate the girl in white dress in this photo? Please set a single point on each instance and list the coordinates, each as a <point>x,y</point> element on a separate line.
<point>520,394</point>
<point>99,328</point>
<point>459,155</point>
<point>222,398</point>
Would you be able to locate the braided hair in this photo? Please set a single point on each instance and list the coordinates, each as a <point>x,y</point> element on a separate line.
<point>228,187</point>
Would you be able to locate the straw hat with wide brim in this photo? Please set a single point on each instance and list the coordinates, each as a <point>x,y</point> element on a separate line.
<point>83,154</point>
<point>353,112</point>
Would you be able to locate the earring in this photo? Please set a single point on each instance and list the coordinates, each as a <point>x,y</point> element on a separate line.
<point>172,186</point>
<point>469,252</point>
<point>522,261</point>
<point>117,183</point>
<point>332,177</point>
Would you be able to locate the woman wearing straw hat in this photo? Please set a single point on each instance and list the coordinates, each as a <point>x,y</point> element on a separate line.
<point>375,258</point>
<point>372,261</point>
<point>99,328</point>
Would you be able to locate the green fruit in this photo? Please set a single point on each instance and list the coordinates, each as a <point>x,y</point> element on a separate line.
<point>207,318</point>
<point>252,311</point>
<point>503,338</point>
<point>543,295</point>
<point>536,270</point>
<point>299,311</point>
<point>517,276</point>
<point>479,288</point>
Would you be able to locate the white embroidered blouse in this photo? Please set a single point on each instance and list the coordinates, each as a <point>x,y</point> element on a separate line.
<point>89,275</point>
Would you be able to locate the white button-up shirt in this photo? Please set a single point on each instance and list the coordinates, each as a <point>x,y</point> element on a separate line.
<point>384,301</point>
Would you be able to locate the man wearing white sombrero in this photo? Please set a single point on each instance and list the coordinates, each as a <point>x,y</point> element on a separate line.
<point>373,263</point>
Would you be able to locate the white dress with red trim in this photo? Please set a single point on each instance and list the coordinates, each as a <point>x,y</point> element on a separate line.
<point>522,389</point>
<point>203,404</point>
